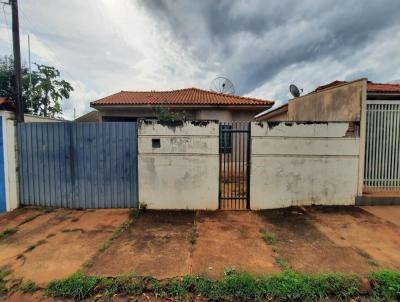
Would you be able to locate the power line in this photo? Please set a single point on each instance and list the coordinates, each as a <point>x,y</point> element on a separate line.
<point>45,44</point>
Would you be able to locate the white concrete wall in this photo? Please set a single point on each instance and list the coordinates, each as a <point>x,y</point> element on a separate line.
<point>303,164</point>
<point>184,172</point>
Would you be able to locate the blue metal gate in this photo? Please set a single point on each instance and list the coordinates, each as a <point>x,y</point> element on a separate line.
<point>78,165</point>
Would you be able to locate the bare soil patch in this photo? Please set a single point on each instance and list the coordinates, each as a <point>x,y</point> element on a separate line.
<point>375,239</point>
<point>304,247</point>
<point>157,244</point>
<point>231,239</point>
<point>42,251</point>
<point>387,213</point>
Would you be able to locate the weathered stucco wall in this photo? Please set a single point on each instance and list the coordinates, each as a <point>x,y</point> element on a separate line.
<point>183,172</point>
<point>303,164</point>
<point>337,104</point>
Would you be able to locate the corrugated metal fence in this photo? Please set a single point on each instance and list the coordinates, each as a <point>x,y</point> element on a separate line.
<point>382,147</point>
<point>78,165</point>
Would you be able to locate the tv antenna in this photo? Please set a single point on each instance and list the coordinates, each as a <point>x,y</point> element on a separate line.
<point>222,85</point>
<point>295,91</point>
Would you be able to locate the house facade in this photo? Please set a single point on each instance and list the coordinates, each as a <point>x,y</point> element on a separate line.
<point>372,111</point>
<point>196,103</point>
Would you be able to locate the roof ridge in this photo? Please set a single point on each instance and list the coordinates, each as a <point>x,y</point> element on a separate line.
<point>198,89</point>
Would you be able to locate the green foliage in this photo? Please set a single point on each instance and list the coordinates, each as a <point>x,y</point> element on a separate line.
<point>286,286</point>
<point>47,90</point>
<point>28,287</point>
<point>166,115</point>
<point>33,246</point>
<point>386,285</point>
<point>268,238</point>
<point>123,285</point>
<point>282,263</point>
<point>193,236</point>
<point>78,286</point>
<point>142,206</point>
<point>8,232</point>
<point>4,272</point>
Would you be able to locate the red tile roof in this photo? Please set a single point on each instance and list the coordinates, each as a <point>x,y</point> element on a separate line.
<point>383,88</point>
<point>185,97</point>
<point>371,87</point>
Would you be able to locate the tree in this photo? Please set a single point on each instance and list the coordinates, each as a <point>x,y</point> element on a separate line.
<point>47,91</point>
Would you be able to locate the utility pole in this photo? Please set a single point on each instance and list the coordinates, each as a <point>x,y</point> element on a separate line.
<point>17,62</point>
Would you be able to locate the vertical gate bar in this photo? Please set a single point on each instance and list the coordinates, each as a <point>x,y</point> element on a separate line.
<point>371,167</point>
<point>368,138</point>
<point>373,146</point>
<point>229,168</point>
<point>220,166</point>
<point>388,127</point>
<point>379,147</point>
<point>223,200</point>
<point>241,189</point>
<point>248,165</point>
<point>237,200</point>
<point>390,164</point>
<point>386,123</point>
<point>376,146</point>
<point>397,145</point>
<point>395,154</point>
<point>383,147</point>
<point>370,135</point>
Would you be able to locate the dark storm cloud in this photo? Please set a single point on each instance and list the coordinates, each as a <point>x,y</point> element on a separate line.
<point>252,41</point>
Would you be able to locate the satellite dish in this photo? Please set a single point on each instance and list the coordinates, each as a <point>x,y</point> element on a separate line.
<point>295,91</point>
<point>222,85</point>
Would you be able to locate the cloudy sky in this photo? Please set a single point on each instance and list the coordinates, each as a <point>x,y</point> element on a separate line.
<point>104,46</point>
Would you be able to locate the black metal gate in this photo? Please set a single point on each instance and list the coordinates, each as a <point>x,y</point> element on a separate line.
<point>234,165</point>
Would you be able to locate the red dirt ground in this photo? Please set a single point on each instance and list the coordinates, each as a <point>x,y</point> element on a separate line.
<point>165,244</point>
<point>67,238</point>
<point>231,239</point>
<point>373,238</point>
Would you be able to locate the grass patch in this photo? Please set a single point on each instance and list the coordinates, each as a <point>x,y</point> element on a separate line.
<point>193,236</point>
<point>28,287</point>
<point>116,234</point>
<point>282,263</point>
<point>371,261</point>
<point>8,232</point>
<point>29,219</point>
<point>78,287</point>
<point>268,238</point>
<point>31,247</point>
<point>237,286</point>
<point>386,285</point>
<point>4,272</point>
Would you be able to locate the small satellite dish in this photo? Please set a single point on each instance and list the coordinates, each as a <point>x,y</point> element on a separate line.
<point>222,85</point>
<point>295,91</point>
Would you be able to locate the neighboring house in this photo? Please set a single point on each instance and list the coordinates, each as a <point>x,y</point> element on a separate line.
<point>373,113</point>
<point>92,116</point>
<point>336,101</point>
<point>199,104</point>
